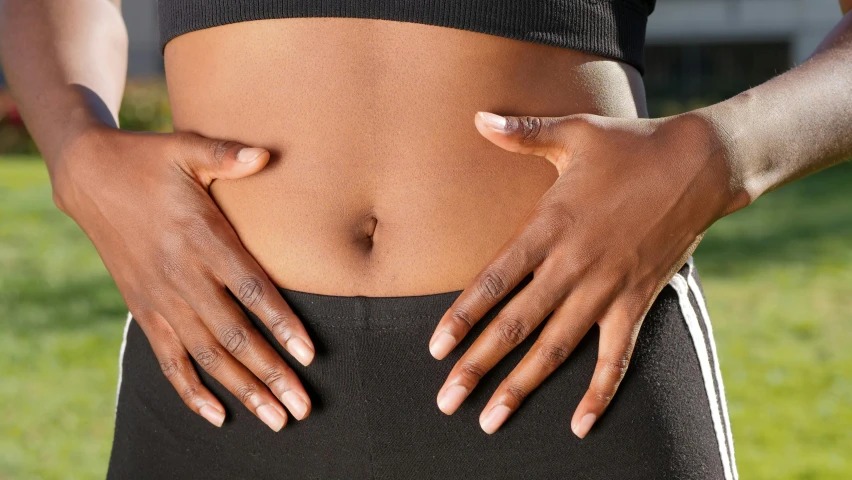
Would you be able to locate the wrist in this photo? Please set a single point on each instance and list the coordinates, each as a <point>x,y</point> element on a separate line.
<point>723,148</point>
<point>64,114</point>
<point>80,144</point>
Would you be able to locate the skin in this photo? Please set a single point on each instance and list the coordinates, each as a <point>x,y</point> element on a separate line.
<point>599,253</point>
<point>367,210</point>
<point>171,252</point>
<point>353,211</point>
<point>712,161</point>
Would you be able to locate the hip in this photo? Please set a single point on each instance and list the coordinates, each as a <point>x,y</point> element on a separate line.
<point>373,384</point>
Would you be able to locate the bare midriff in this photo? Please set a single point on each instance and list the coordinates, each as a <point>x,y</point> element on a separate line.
<point>379,183</point>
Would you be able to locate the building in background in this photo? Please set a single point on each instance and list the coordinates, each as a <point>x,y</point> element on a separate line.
<point>699,51</point>
<point>703,51</point>
<point>144,57</point>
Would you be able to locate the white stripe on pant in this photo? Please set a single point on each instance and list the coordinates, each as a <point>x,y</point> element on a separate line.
<point>702,306</point>
<point>712,376</point>
<point>121,358</point>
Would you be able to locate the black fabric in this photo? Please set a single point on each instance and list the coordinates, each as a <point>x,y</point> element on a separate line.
<point>708,339</point>
<point>373,384</point>
<point>610,28</point>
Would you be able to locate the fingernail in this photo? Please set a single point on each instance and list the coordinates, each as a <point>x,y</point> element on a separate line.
<point>303,353</point>
<point>451,398</point>
<point>248,155</point>
<point>270,417</point>
<point>441,346</point>
<point>582,428</point>
<point>295,404</point>
<point>212,415</point>
<point>494,121</point>
<point>495,418</point>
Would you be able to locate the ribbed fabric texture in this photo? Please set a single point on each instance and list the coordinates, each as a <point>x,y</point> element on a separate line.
<point>610,28</point>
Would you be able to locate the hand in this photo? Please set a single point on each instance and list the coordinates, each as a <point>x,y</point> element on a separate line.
<point>630,205</point>
<point>142,199</point>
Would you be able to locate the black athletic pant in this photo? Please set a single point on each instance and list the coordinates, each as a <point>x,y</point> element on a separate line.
<point>373,384</point>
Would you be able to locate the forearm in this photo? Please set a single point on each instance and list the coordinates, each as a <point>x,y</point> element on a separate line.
<point>792,125</point>
<point>66,64</point>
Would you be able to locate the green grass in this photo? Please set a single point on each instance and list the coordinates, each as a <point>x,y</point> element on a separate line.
<point>778,277</point>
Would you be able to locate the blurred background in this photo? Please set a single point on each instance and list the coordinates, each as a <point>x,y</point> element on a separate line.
<point>778,275</point>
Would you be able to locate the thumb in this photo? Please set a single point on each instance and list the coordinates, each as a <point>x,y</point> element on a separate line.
<point>543,136</point>
<point>207,159</point>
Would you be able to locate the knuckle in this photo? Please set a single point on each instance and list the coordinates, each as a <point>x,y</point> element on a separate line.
<point>169,269</point>
<point>234,338</point>
<point>583,121</point>
<point>560,213</point>
<point>516,393</point>
<point>184,140</point>
<point>192,226</point>
<point>159,294</point>
<point>493,285</point>
<point>556,220</point>
<point>616,366</point>
<point>201,225</point>
<point>280,326</point>
<point>136,306</point>
<point>552,354</point>
<point>172,247</point>
<point>472,371</point>
<point>245,392</point>
<point>250,291</point>
<point>511,332</point>
<point>189,393</point>
<point>462,318</point>
<point>614,369</point>
<point>217,149</point>
<point>271,375</point>
<point>208,356</point>
<point>530,128</point>
<point>170,367</point>
<point>603,396</point>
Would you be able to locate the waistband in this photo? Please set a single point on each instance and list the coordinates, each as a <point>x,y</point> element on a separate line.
<point>377,312</point>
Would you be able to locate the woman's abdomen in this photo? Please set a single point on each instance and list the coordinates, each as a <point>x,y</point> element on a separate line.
<point>379,184</point>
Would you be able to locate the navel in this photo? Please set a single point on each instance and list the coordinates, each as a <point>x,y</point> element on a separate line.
<point>365,232</point>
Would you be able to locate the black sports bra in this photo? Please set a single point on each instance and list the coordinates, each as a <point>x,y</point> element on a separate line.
<point>610,28</point>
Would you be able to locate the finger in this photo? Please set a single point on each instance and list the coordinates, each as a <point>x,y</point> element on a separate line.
<point>208,159</point>
<point>564,330</point>
<point>229,325</point>
<point>210,355</point>
<point>505,332</point>
<point>619,330</point>
<point>251,286</point>
<point>543,136</point>
<point>511,265</point>
<point>176,366</point>
<point>258,294</point>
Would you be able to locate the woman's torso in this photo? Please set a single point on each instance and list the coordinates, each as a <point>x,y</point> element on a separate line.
<point>379,184</point>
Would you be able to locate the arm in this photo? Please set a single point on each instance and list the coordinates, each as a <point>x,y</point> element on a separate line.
<point>142,199</point>
<point>66,64</point>
<point>793,125</point>
<point>630,206</point>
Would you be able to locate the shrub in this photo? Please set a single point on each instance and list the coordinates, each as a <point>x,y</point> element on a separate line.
<point>145,107</point>
<point>13,135</point>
